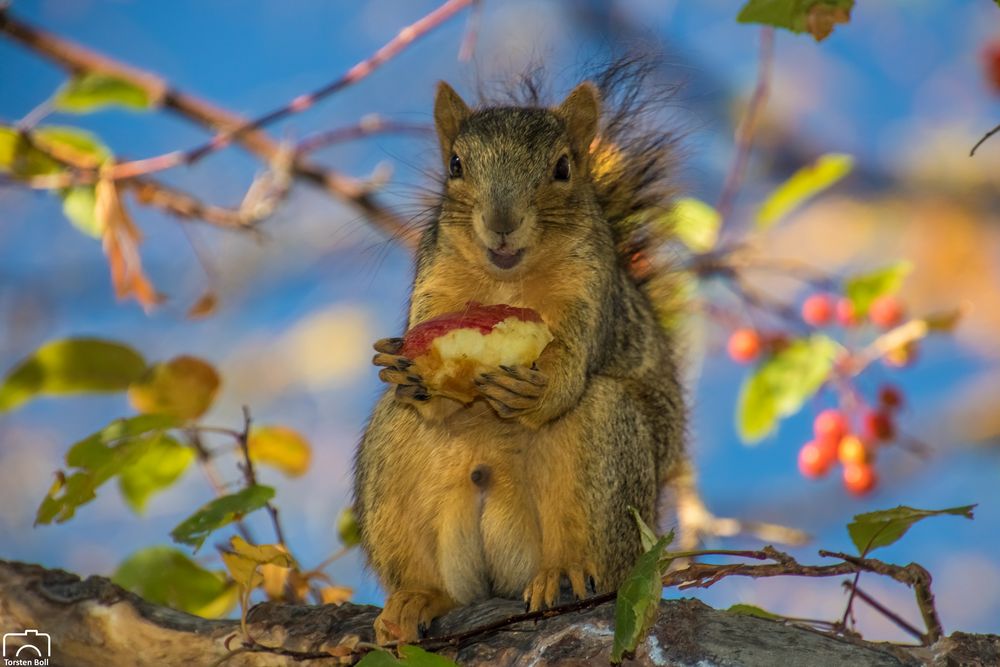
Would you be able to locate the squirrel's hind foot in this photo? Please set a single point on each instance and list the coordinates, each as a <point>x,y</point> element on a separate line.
<point>543,591</point>
<point>408,613</point>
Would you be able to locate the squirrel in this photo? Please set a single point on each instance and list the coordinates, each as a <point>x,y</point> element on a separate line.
<point>545,208</point>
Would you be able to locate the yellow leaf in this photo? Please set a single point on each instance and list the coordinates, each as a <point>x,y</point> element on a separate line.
<point>280,447</point>
<point>183,387</point>
<point>244,561</point>
<point>275,578</point>
<point>803,184</point>
<point>696,224</point>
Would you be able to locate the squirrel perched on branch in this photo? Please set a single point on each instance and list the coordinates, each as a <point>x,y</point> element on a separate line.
<point>547,209</point>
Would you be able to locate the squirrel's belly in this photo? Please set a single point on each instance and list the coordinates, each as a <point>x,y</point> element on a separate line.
<point>489,540</point>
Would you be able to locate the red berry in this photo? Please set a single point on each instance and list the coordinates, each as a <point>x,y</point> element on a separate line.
<point>852,451</point>
<point>814,460</point>
<point>991,64</point>
<point>846,315</point>
<point>877,425</point>
<point>859,479</point>
<point>830,426</point>
<point>744,345</point>
<point>886,311</point>
<point>817,310</point>
<point>890,397</point>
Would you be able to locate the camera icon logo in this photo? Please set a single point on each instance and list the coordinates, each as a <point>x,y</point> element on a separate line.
<point>27,644</point>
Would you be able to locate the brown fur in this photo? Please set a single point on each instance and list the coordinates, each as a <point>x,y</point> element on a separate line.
<point>532,483</point>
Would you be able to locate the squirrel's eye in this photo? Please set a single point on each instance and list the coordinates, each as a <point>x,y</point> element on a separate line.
<point>561,172</point>
<point>455,167</point>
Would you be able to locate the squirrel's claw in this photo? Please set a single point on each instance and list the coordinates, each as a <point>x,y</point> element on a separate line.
<point>402,377</point>
<point>513,390</point>
<point>406,612</point>
<point>392,361</point>
<point>544,590</point>
<point>398,370</point>
<point>389,345</point>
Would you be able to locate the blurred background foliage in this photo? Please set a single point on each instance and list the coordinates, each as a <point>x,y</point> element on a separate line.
<point>903,88</point>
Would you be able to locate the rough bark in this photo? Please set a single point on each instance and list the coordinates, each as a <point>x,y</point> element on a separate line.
<point>94,622</point>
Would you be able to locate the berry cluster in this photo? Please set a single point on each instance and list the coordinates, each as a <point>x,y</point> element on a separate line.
<point>820,310</point>
<point>835,441</point>
<point>851,433</point>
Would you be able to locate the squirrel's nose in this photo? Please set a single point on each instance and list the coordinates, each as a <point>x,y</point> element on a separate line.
<point>501,222</point>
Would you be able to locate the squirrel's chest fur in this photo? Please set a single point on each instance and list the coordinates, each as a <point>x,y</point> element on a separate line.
<point>481,476</point>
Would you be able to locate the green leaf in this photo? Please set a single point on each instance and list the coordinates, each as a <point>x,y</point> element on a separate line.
<point>797,15</point>
<point>78,144</point>
<point>863,289</point>
<point>379,658</point>
<point>158,467</point>
<point>94,90</point>
<point>879,529</point>
<point>166,576</point>
<point>779,386</point>
<point>347,527</point>
<point>97,459</point>
<point>646,534</point>
<point>413,656</point>
<point>184,387</point>
<point>696,224</point>
<point>638,602</point>
<point>751,610</point>
<point>22,160</point>
<point>418,657</point>
<point>801,186</point>
<point>71,366</point>
<point>78,207</point>
<point>220,512</point>
<point>93,450</point>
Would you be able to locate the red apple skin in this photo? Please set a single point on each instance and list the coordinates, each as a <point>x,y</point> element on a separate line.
<point>475,316</point>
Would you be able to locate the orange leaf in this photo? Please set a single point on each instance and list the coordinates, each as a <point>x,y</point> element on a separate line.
<point>204,306</point>
<point>121,246</point>
<point>336,594</point>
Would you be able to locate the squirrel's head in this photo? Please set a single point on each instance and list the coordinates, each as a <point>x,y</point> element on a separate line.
<point>517,179</point>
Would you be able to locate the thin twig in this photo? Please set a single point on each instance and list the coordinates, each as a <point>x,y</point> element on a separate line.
<point>983,139</point>
<point>251,475</point>
<point>885,611</point>
<point>913,575</point>
<point>747,127</point>
<point>214,479</point>
<point>471,36</point>
<point>369,125</point>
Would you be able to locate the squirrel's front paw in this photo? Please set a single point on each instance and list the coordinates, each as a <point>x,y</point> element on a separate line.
<point>397,370</point>
<point>512,390</point>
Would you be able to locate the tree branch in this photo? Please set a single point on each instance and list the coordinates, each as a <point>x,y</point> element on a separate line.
<point>78,59</point>
<point>92,622</point>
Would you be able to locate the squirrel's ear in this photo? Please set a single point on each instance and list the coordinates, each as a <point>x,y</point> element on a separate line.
<point>449,112</point>
<point>582,112</point>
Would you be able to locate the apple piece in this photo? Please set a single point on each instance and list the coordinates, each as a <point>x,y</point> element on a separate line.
<point>450,350</point>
